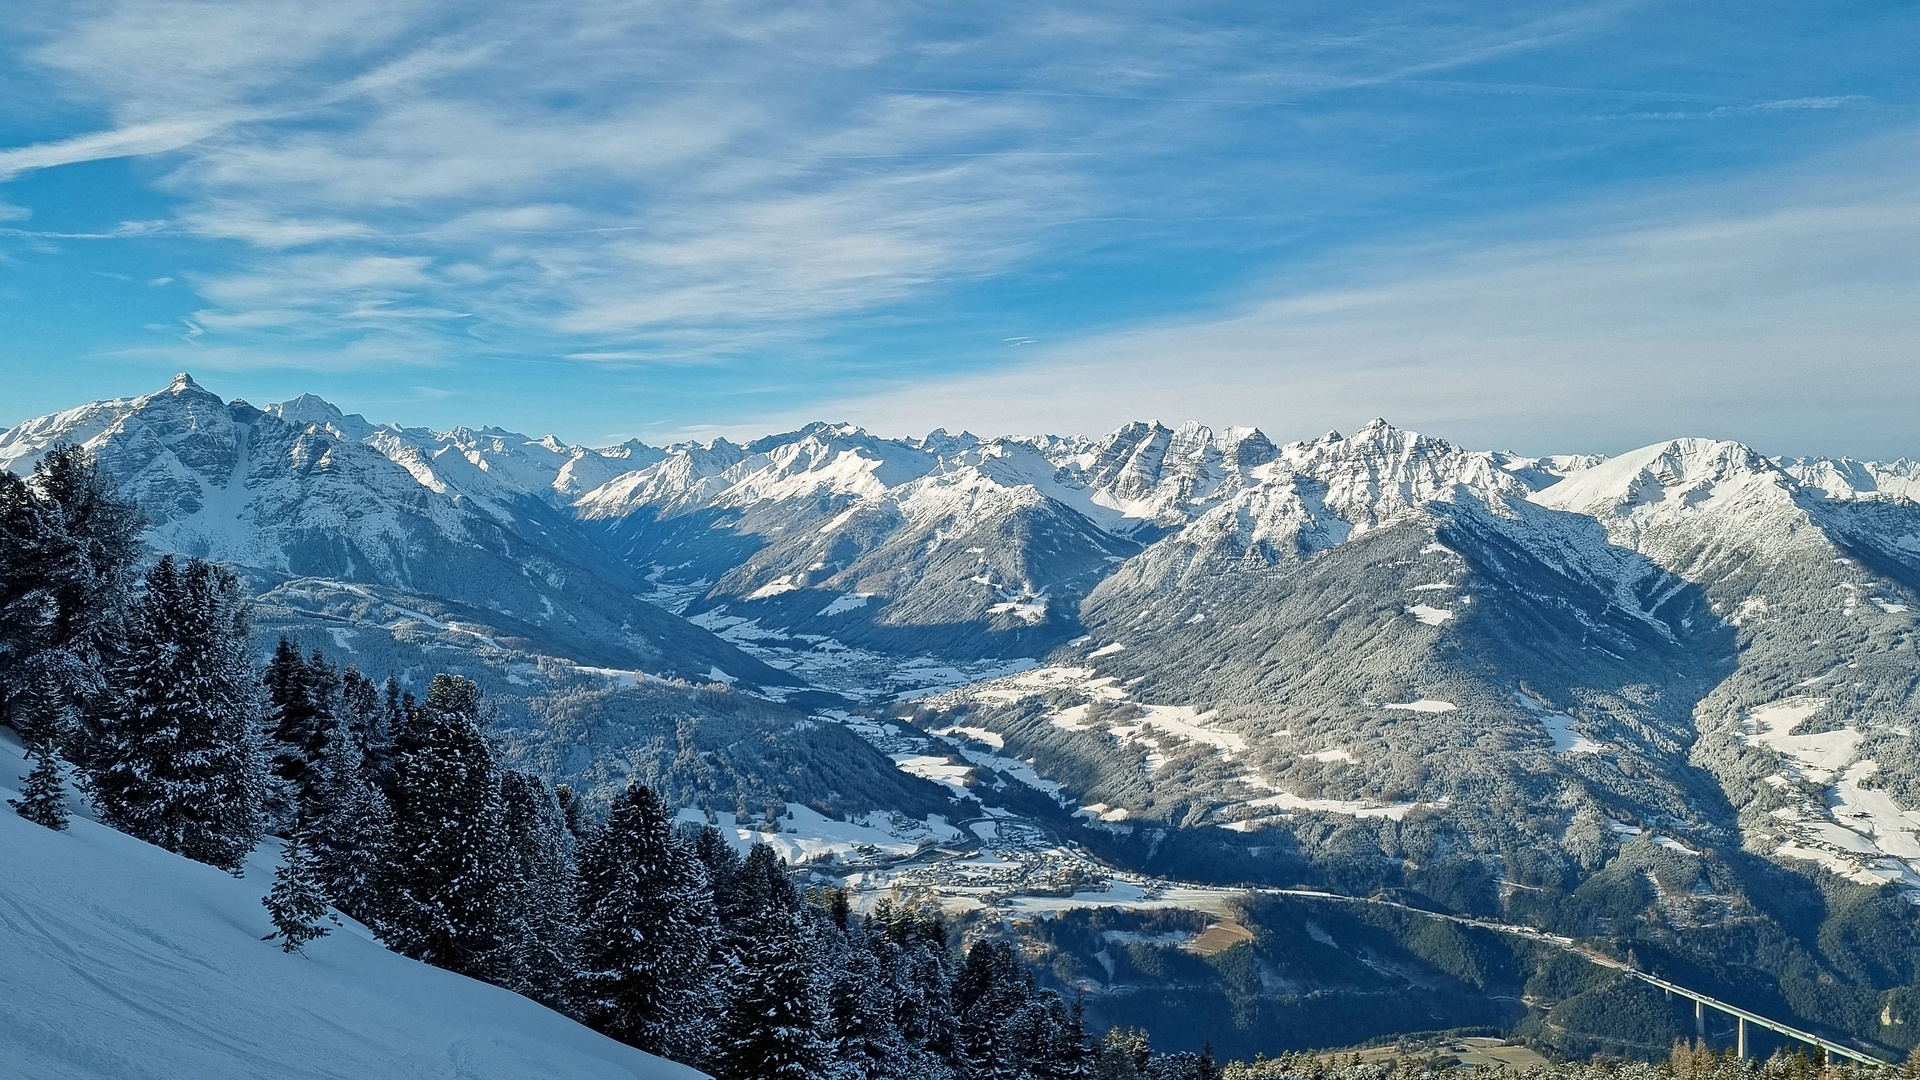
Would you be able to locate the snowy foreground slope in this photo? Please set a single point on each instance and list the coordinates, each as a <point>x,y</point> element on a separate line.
<point>124,960</point>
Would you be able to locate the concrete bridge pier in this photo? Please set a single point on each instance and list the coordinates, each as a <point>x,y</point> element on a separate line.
<point>1742,1037</point>
<point>1700,1021</point>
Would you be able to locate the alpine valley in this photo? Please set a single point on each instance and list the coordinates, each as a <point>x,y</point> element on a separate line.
<point>1206,722</point>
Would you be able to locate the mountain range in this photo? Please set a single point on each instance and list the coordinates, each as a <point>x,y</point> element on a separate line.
<point>1669,695</point>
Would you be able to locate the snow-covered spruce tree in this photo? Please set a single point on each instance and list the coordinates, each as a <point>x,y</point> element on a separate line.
<point>174,759</point>
<point>761,887</point>
<point>369,723</point>
<point>572,811</point>
<point>1124,1054</point>
<point>352,827</point>
<point>772,1025</point>
<point>296,903</point>
<point>30,544</point>
<point>722,866</point>
<point>43,798</point>
<point>440,890</point>
<point>1049,1038</point>
<point>542,935</point>
<point>862,1026</point>
<point>646,926</point>
<point>989,990</point>
<point>68,550</point>
<point>305,692</point>
<point>912,948</point>
<point>1008,1027</point>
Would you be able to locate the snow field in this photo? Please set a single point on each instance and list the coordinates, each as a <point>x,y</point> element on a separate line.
<point>1860,833</point>
<point>806,834</point>
<point>1424,705</point>
<point>1426,613</point>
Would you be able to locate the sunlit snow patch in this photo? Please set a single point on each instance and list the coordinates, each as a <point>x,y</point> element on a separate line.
<point>1428,614</point>
<point>782,584</point>
<point>937,769</point>
<point>1822,755</point>
<point>1028,610</point>
<point>1565,739</point>
<point>1107,650</point>
<point>846,602</point>
<point>1344,807</point>
<point>805,833</point>
<point>1424,705</point>
<point>977,734</point>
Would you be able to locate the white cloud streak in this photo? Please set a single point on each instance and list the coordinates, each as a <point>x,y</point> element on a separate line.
<point>1783,312</point>
<point>664,176</point>
<point>152,137</point>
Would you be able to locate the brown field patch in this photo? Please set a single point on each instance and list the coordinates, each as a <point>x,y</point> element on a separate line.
<point>1220,937</point>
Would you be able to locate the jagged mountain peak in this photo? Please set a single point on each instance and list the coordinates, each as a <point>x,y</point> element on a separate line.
<point>183,383</point>
<point>1686,472</point>
<point>947,443</point>
<point>1382,471</point>
<point>820,431</point>
<point>312,411</point>
<point>1845,479</point>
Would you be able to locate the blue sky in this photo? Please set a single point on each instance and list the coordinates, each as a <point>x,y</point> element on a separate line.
<point>1551,226</point>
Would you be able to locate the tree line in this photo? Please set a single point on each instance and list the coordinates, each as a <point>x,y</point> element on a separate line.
<point>396,810</point>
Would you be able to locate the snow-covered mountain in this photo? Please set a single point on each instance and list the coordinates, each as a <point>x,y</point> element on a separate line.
<point>299,491</point>
<point>1225,631</point>
<point>1688,638</point>
<point>1662,692</point>
<point>948,545</point>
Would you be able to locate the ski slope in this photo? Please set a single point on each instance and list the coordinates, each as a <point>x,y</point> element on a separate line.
<point>125,961</point>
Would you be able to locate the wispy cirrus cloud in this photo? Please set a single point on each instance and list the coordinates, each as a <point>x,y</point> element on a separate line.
<point>1780,309</point>
<point>151,137</point>
<point>750,206</point>
<point>665,174</point>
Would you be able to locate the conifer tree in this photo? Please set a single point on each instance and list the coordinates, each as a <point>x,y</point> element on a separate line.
<point>861,998</point>
<point>722,866</point>
<point>43,798</point>
<point>28,607</point>
<point>761,888</point>
<point>572,811</point>
<point>352,828</point>
<point>646,924</point>
<point>296,903</point>
<point>1123,1055</point>
<point>440,890</point>
<point>175,759</point>
<point>542,937</point>
<point>305,693</point>
<point>913,947</point>
<point>772,1026</point>
<point>69,545</point>
<point>991,995</point>
<point>31,548</point>
<point>368,723</point>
